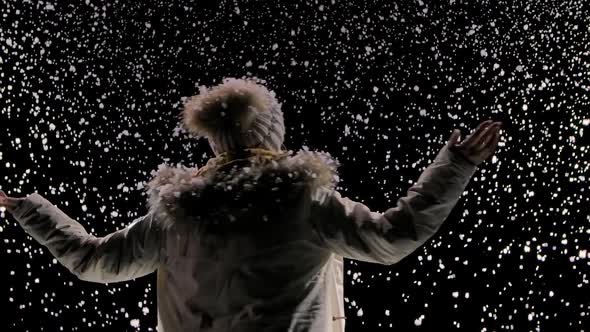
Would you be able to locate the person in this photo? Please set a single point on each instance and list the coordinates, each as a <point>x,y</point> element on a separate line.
<point>255,239</point>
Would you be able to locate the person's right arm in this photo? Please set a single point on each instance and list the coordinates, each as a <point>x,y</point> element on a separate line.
<point>350,229</point>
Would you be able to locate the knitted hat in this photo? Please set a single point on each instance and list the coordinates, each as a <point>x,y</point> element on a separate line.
<point>235,115</point>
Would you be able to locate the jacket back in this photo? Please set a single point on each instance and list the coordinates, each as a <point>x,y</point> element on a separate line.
<point>241,253</point>
<point>253,242</point>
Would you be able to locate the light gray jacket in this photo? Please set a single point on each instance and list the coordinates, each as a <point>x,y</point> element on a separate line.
<point>255,247</point>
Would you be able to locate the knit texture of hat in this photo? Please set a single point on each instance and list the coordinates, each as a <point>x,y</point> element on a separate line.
<point>235,115</point>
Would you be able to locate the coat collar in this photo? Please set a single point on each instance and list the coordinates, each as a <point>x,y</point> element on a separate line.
<point>237,188</point>
<point>226,159</point>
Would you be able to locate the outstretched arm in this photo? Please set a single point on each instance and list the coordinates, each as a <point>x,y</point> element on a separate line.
<point>350,229</point>
<point>129,253</point>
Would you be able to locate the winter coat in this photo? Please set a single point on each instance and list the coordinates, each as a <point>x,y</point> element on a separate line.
<point>253,242</point>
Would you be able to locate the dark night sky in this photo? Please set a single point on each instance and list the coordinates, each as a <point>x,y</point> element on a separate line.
<point>90,91</point>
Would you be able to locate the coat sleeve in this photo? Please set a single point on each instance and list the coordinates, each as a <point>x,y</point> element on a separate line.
<point>128,253</point>
<point>352,230</point>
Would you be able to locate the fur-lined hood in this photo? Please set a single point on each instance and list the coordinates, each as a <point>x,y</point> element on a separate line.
<point>235,189</point>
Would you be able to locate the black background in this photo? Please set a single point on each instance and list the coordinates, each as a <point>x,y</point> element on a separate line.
<point>90,90</point>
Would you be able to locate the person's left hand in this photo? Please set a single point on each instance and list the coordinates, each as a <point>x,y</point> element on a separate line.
<point>9,203</point>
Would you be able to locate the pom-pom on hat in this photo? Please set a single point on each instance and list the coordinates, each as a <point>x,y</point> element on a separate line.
<point>235,115</point>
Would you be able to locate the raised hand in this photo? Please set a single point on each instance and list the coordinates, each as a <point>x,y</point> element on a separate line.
<point>480,144</point>
<point>8,202</point>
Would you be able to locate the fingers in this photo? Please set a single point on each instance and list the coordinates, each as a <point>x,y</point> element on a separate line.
<point>479,143</point>
<point>482,142</point>
<point>489,133</point>
<point>494,143</point>
<point>2,198</point>
<point>491,143</point>
<point>483,136</point>
<point>487,136</point>
<point>468,142</point>
<point>7,202</point>
<point>454,137</point>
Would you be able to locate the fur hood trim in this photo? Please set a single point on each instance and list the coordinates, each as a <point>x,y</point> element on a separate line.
<point>227,191</point>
